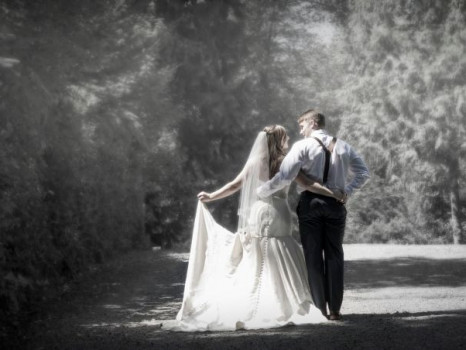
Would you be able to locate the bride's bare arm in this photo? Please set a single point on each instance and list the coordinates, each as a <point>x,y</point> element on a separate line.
<point>225,191</point>
<point>315,187</point>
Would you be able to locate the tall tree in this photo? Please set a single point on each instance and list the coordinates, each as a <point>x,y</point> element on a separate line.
<point>407,63</point>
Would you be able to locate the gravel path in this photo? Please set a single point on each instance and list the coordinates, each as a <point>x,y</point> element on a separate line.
<point>411,297</point>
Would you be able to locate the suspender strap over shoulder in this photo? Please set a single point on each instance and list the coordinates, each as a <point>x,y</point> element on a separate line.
<point>328,153</point>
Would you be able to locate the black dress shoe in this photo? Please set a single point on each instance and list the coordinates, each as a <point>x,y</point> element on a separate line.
<point>335,316</point>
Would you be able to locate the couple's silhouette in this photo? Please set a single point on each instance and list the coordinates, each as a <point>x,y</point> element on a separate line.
<point>259,277</point>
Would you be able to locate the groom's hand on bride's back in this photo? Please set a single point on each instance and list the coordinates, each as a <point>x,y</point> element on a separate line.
<point>204,196</point>
<point>341,196</point>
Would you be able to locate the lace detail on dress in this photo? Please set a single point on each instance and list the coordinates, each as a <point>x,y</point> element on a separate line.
<point>266,288</point>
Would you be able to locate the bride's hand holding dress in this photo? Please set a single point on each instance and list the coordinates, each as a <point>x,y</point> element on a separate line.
<point>225,191</point>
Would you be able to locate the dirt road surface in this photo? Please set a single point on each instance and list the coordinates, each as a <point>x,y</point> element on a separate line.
<point>396,297</point>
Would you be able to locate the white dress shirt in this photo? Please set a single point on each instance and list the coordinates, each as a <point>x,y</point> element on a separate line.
<point>347,171</point>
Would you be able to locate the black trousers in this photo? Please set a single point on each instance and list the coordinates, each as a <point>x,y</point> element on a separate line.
<point>322,226</point>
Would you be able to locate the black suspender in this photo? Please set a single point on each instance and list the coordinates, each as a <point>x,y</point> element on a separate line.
<point>328,154</point>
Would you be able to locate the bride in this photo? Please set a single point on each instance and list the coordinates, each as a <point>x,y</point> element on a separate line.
<point>257,277</point>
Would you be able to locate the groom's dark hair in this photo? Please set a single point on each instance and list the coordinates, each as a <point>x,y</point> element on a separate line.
<point>319,118</point>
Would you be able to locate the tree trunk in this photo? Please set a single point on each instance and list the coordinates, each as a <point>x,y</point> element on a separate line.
<point>455,212</point>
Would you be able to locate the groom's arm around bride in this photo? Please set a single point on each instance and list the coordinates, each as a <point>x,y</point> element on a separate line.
<point>321,219</point>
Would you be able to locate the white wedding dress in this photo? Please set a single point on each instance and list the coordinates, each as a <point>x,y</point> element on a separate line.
<point>255,278</point>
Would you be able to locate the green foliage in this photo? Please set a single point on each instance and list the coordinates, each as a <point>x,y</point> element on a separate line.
<point>114,115</point>
<point>73,143</point>
<point>407,111</point>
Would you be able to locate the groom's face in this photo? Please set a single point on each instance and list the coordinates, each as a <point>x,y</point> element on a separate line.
<point>306,127</point>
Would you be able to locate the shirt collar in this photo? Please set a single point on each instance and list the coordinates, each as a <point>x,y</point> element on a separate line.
<point>318,132</point>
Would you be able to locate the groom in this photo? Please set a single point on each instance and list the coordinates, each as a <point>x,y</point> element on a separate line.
<point>321,219</point>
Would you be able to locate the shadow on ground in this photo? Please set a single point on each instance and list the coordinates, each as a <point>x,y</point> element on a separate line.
<point>401,272</point>
<point>427,330</point>
<point>121,305</point>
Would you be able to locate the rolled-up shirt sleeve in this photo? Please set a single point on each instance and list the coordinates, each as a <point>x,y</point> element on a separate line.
<point>289,169</point>
<point>359,170</point>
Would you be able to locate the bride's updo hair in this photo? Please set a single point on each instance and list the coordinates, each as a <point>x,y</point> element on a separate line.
<point>276,135</point>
